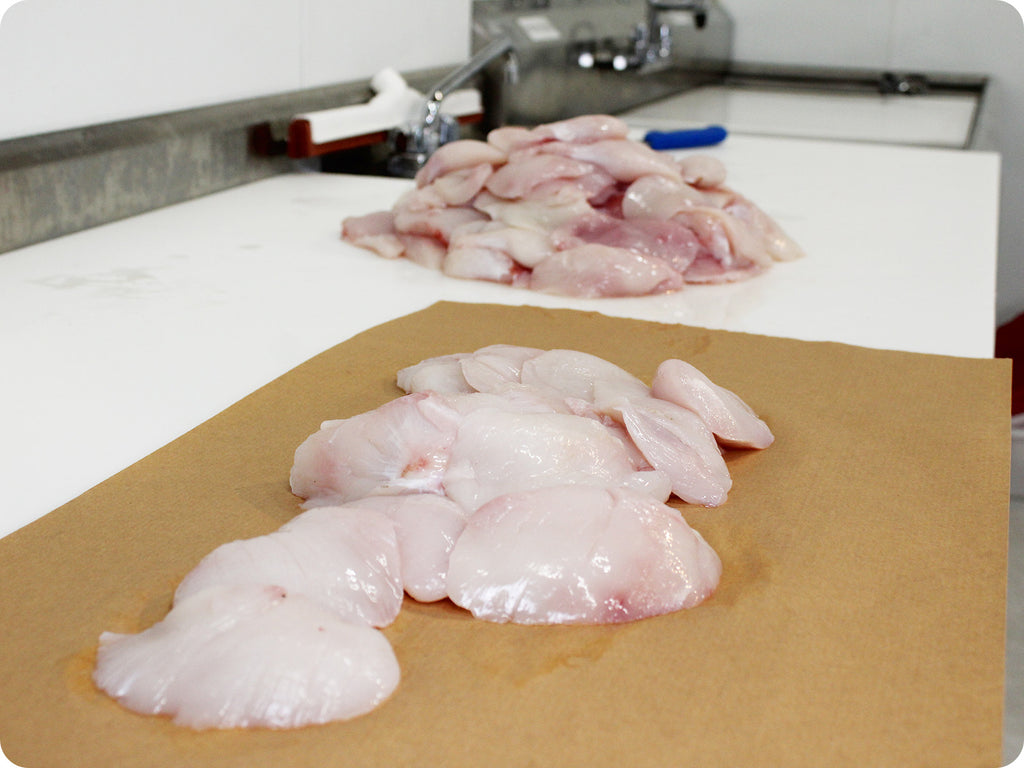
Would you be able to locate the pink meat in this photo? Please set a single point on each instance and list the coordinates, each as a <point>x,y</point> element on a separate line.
<point>524,246</point>
<point>461,186</point>
<point>424,250</point>
<point>707,270</point>
<point>482,263</point>
<point>658,197</point>
<point>576,208</point>
<point>375,232</point>
<point>551,206</point>
<point>457,155</point>
<point>728,239</point>
<point>517,180</point>
<point>671,241</point>
<point>423,212</point>
<point>585,129</point>
<point>777,243</point>
<point>702,171</point>
<point>593,270</point>
<point>625,160</point>
<point>510,138</point>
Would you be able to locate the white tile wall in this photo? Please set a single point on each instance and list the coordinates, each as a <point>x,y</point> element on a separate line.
<point>65,63</point>
<point>363,37</point>
<point>811,32</point>
<point>950,35</point>
<point>984,37</point>
<point>68,63</point>
<point>958,35</point>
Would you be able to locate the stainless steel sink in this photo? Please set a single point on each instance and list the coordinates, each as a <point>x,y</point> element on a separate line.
<point>668,64</point>
<point>599,56</point>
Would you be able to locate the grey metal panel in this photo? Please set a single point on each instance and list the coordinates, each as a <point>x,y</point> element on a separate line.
<point>552,85</point>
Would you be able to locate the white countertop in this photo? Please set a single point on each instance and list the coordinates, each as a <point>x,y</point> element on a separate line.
<point>929,120</point>
<point>118,339</point>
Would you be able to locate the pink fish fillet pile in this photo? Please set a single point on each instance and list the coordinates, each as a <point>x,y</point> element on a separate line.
<point>575,208</point>
<point>523,485</point>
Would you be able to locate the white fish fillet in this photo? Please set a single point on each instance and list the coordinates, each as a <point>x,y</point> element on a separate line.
<point>498,452</point>
<point>579,555</point>
<point>427,527</point>
<point>347,560</point>
<point>526,485</point>
<point>491,368</point>
<point>582,376</point>
<point>400,447</point>
<point>441,374</point>
<point>675,440</point>
<point>510,397</point>
<point>731,420</point>
<point>488,369</point>
<point>248,657</point>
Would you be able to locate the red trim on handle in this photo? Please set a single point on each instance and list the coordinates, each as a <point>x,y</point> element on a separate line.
<point>301,144</point>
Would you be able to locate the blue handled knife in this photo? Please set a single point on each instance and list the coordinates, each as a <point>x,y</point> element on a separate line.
<point>687,138</point>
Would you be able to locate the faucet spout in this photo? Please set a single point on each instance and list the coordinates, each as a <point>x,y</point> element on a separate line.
<point>429,129</point>
<point>652,45</point>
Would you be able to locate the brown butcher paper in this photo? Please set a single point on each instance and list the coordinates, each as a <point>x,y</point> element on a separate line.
<point>859,619</point>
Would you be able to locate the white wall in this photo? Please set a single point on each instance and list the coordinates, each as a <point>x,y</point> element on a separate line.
<point>983,37</point>
<point>69,63</point>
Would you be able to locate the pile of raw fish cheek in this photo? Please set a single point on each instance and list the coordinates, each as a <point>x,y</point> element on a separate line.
<point>525,485</point>
<point>575,208</point>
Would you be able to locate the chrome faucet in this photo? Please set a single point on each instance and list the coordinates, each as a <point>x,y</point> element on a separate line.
<point>653,38</point>
<point>650,46</point>
<point>415,142</point>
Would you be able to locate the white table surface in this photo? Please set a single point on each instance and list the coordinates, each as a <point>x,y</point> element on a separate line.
<point>930,120</point>
<point>117,340</point>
